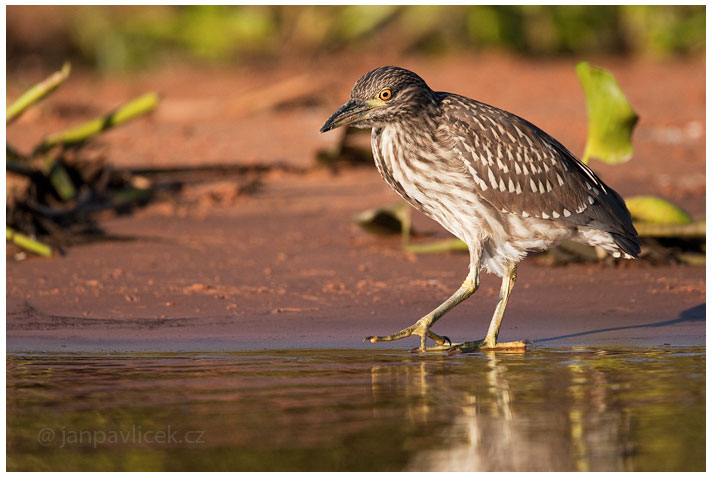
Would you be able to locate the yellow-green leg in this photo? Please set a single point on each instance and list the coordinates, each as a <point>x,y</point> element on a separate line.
<point>507,284</point>
<point>490,340</point>
<point>422,326</point>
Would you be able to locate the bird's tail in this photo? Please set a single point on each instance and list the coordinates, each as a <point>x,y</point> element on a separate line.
<point>623,231</point>
<point>629,245</point>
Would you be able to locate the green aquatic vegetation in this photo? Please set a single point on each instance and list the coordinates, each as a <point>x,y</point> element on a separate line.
<point>37,93</point>
<point>84,132</point>
<point>611,119</point>
<point>47,163</point>
<point>656,210</point>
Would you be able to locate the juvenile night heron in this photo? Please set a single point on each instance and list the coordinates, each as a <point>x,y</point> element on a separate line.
<point>494,180</point>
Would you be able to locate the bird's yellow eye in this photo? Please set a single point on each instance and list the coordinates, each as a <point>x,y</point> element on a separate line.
<point>385,94</point>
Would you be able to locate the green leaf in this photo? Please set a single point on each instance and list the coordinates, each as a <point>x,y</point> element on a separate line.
<point>610,118</point>
<point>656,210</point>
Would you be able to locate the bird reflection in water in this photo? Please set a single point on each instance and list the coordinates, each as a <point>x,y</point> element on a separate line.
<point>498,420</point>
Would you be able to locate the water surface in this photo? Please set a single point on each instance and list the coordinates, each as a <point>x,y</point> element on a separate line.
<point>573,409</point>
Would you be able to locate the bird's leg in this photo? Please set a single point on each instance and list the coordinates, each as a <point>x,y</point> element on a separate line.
<point>507,284</point>
<point>422,326</point>
<point>490,341</point>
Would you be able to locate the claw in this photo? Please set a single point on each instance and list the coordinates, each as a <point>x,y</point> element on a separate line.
<point>440,340</point>
<point>481,345</point>
<point>443,341</point>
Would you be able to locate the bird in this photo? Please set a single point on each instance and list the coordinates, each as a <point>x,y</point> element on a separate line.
<point>491,178</point>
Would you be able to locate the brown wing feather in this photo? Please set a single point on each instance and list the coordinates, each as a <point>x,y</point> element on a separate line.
<point>520,169</point>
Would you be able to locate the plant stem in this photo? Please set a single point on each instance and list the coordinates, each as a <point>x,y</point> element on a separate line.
<point>26,243</point>
<point>36,93</point>
<point>447,245</point>
<point>78,134</point>
<point>18,167</point>
<point>689,230</point>
<point>58,175</point>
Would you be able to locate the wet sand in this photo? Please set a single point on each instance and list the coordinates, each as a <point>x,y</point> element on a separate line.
<point>289,269</point>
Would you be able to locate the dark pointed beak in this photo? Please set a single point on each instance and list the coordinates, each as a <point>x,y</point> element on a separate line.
<point>351,112</point>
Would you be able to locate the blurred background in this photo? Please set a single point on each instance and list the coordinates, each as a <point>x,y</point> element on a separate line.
<point>121,38</point>
<point>247,87</point>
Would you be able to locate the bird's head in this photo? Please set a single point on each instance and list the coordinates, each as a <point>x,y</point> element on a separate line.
<point>381,96</point>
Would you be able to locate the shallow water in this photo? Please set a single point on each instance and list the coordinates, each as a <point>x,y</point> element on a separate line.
<point>574,409</point>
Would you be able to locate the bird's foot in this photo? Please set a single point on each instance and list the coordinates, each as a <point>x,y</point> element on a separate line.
<point>485,345</point>
<point>420,328</point>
